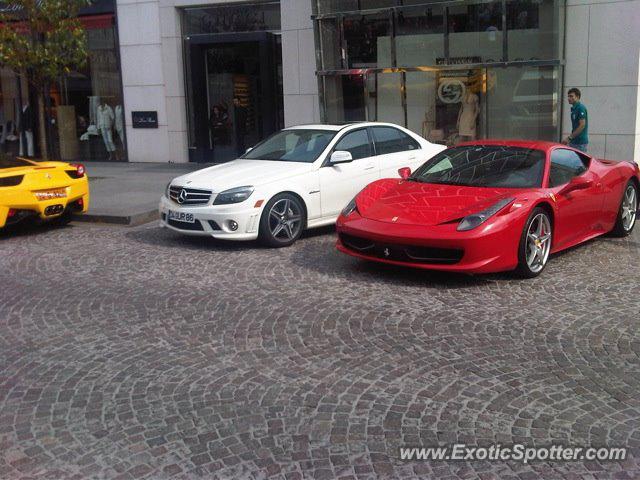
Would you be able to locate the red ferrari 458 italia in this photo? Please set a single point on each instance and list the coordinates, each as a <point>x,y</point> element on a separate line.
<point>491,206</point>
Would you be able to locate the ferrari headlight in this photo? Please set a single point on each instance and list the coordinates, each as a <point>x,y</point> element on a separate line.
<point>233,195</point>
<point>473,221</point>
<point>350,208</point>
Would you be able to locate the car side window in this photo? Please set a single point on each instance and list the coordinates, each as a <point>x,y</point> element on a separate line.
<point>565,164</point>
<point>356,142</point>
<point>392,140</point>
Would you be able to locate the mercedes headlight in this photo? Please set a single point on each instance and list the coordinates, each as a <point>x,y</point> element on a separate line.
<point>475,220</point>
<point>350,208</point>
<point>233,195</point>
<point>166,189</point>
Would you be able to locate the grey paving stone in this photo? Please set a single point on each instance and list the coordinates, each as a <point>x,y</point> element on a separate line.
<point>139,353</point>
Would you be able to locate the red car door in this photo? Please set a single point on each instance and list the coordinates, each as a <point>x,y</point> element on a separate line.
<point>577,192</point>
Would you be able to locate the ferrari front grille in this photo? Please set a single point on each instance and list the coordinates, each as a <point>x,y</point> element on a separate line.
<point>402,253</point>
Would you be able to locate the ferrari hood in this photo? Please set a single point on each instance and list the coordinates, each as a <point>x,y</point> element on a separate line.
<point>239,173</point>
<point>413,203</point>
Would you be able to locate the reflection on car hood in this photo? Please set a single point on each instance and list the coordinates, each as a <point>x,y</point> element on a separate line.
<point>413,203</point>
<point>241,172</point>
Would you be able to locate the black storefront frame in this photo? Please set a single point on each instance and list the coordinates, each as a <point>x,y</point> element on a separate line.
<point>195,80</point>
<point>321,73</point>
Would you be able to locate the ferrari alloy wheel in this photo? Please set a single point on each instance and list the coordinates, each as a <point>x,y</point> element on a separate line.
<point>628,210</point>
<point>282,221</point>
<point>535,244</point>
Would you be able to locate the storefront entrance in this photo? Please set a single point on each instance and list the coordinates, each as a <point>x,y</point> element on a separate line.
<point>235,93</point>
<point>448,70</point>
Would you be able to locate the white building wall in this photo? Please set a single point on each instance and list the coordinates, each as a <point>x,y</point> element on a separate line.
<point>602,59</point>
<point>300,85</point>
<point>153,73</point>
<point>143,78</point>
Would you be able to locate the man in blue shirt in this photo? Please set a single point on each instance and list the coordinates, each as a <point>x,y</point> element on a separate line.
<point>579,138</point>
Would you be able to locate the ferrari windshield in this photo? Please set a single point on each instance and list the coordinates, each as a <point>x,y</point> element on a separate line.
<point>295,145</point>
<point>495,166</point>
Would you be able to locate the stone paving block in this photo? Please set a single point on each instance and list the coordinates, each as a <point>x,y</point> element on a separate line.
<point>139,353</point>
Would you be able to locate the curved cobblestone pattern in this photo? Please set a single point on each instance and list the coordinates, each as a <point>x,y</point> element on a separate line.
<point>138,353</point>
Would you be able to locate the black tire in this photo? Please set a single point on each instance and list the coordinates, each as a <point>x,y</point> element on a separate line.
<point>619,229</point>
<point>296,215</point>
<point>524,270</point>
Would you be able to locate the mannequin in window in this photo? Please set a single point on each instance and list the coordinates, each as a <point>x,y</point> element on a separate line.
<point>119,123</point>
<point>26,125</point>
<point>105,119</point>
<point>468,115</point>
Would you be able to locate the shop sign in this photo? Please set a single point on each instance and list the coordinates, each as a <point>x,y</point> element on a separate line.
<point>144,119</point>
<point>451,90</point>
<point>457,60</point>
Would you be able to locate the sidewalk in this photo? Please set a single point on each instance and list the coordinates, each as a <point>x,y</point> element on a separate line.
<point>128,193</point>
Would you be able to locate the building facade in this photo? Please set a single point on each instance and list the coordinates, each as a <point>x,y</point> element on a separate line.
<point>77,106</point>
<point>203,80</point>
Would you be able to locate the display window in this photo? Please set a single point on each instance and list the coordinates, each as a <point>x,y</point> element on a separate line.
<point>450,71</point>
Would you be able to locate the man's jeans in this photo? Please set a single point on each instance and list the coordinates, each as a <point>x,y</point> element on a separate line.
<point>579,146</point>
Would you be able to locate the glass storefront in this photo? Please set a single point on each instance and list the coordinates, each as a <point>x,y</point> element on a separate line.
<point>84,110</point>
<point>448,70</point>
<point>233,68</point>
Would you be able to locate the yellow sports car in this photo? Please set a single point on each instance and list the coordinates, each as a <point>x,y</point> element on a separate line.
<point>44,190</point>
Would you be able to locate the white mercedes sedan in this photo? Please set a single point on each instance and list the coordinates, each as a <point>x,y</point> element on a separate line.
<point>300,177</point>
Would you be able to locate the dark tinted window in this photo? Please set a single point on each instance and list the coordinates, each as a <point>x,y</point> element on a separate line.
<point>391,140</point>
<point>484,166</point>
<point>6,162</point>
<point>295,145</point>
<point>565,164</point>
<point>356,143</point>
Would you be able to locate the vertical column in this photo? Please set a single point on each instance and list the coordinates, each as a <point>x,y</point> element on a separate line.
<point>602,52</point>
<point>300,85</point>
<point>143,78</point>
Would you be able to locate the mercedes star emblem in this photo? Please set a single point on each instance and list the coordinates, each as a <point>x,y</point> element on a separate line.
<point>182,196</point>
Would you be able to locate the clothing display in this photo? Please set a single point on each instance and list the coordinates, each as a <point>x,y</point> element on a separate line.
<point>94,101</point>
<point>26,125</point>
<point>119,123</point>
<point>105,117</point>
<point>27,137</point>
<point>469,109</point>
<point>107,138</point>
<point>105,120</point>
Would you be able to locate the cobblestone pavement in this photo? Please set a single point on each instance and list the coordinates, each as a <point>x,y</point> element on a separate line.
<point>138,353</point>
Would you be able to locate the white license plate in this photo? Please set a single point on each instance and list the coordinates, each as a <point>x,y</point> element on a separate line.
<point>181,217</point>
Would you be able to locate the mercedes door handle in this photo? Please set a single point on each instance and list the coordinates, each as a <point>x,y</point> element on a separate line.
<point>369,167</point>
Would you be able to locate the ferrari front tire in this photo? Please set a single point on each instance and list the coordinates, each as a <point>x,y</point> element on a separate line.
<point>535,244</point>
<point>282,221</point>
<point>627,212</point>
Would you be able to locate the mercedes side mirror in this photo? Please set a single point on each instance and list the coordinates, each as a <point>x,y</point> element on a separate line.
<point>404,172</point>
<point>340,156</point>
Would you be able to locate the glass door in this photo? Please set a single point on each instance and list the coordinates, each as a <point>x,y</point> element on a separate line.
<point>234,93</point>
